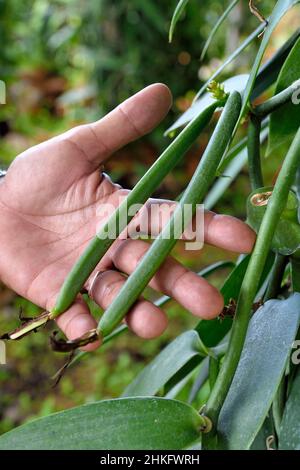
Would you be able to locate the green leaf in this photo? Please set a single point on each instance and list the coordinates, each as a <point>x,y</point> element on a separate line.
<point>236,83</point>
<point>179,387</point>
<point>176,15</point>
<point>267,347</point>
<point>123,424</point>
<point>217,26</point>
<point>270,70</point>
<point>267,430</point>
<point>289,438</point>
<point>297,189</point>
<point>180,375</point>
<point>266,76</point>
<point>175,356</point>
<point>200,380</point>
<point>295,273</point>
<point>285,122</point>
<point>230,59</point>
<point>213,331</point>
<point>281,7</point>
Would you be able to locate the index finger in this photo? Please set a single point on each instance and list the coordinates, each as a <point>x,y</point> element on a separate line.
<point>132,119</point>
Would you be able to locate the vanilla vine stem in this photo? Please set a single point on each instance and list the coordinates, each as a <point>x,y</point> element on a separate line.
<point>254,157</point>
<point>274,103</point>
<point>255,119</point>
<point>275,207</point>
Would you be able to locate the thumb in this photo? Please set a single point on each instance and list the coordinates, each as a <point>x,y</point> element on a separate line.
<point>132,119</point>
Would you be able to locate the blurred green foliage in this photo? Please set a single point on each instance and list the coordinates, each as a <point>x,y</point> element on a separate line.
<point>109,49</point>
<point>71,61</point>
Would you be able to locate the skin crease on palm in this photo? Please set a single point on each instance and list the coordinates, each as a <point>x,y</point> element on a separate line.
<point>49,200</point>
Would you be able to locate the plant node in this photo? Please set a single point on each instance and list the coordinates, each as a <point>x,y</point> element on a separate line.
<point>207,426</point>
<point>261,199</point>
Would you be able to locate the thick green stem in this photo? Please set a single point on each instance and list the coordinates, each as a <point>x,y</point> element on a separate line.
<point>254,159</point>
<point>276,101</point>
<point>276,277</point>
<point>122,216</point>
<point>193,195</point>
<point>275,207</point>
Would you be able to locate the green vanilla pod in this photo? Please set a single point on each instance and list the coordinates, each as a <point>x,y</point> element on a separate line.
<point>120,218</point>
<point>286,240</point>
<point>194,194</point>
<point>99,245</point>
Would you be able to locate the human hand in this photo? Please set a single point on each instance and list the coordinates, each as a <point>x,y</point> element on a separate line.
<point>49,204</point>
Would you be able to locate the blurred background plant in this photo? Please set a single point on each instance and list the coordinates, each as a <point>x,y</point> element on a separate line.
<point>67,62</point>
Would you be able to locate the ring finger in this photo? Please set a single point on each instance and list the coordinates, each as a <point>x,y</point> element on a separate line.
<point>144,319</point>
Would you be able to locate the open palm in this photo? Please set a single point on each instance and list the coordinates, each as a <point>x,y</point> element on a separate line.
<point>49,204</point>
